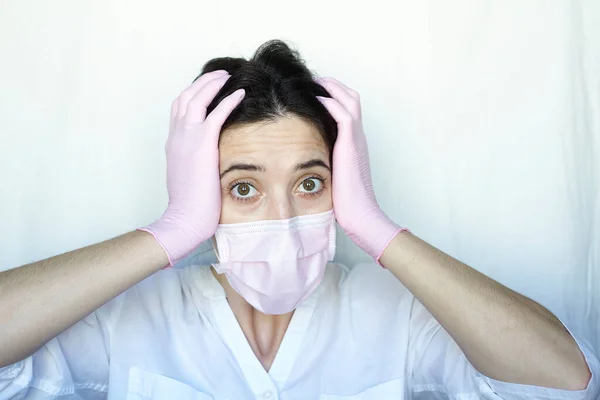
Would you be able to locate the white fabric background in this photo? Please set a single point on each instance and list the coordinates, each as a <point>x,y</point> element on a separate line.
<point>483,120</point>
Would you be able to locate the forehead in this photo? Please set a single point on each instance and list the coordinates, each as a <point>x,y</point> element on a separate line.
<point>288,138</point>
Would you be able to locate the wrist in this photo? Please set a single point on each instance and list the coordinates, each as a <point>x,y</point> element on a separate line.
<point>396,250</point>
<point>153,251</point>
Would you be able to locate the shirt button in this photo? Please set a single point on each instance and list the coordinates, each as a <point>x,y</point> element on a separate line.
<point>267,394</point>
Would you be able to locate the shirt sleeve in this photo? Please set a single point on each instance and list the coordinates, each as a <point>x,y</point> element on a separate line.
<point>440,370</point>
<point>73,365</point>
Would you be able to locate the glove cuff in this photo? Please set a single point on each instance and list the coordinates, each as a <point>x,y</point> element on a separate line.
<point>174,240</point>
<point>374,231</point>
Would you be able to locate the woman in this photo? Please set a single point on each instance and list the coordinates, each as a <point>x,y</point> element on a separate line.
<point>261,157</point>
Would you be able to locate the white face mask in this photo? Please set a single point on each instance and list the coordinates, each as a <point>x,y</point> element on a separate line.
<point>276,264</point>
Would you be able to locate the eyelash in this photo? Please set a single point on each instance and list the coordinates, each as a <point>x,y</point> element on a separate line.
<point>233,185</point>
<point>244,200</point>
<point>313,194</point>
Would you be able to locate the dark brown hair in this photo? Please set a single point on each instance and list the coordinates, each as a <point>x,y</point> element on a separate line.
<point>277,84</point>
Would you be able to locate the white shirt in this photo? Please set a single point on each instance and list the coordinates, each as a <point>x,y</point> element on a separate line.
<point>361,335</point>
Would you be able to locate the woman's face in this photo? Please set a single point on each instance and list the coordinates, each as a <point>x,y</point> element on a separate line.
<point>274,170</point>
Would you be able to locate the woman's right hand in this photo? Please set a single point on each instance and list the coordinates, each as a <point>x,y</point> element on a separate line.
<point>40,300</point>
<point>193,182</point>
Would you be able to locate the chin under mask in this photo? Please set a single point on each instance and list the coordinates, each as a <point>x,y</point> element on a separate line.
<point>276,264</point>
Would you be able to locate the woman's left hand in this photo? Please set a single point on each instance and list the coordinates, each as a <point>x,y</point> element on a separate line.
<point>354,203</point>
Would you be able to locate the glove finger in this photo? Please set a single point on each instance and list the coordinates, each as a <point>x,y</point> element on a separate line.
<point>342,96</point>
<point>196,108</point>
<point>341,115</point>
<point>185,96</point>
<point>218,116</point>
<point>350,91</point>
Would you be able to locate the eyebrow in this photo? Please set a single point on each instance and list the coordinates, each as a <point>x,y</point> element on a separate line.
<point>312,163</point>
<point>243,167</point>
<point>259,168</point>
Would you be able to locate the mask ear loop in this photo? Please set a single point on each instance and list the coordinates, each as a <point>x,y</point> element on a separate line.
<point>213,241</point>
<point>332,238</point>
<point>215,266</point>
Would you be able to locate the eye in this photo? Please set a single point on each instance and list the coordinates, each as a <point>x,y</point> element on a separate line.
<point>243,191</point>
<point>310,185</point>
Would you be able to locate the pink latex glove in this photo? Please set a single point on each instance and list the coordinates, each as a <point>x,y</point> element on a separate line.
<point>193,182</point>
<point>354,203</point>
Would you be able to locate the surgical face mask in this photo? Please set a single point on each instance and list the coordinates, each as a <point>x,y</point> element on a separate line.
<point>275,265</point>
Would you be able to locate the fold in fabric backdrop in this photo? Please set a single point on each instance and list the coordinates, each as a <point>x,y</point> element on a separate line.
<point>483,121</point>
